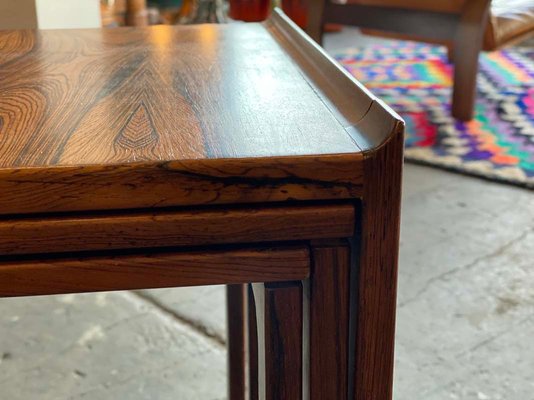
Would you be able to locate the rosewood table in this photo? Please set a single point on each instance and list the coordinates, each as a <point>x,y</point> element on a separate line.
<point>213,154</point>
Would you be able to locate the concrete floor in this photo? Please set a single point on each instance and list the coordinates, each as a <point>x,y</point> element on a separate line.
<point>465,318</point>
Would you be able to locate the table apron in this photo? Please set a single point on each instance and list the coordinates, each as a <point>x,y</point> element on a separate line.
<point>106,272</point>
<point>166,228</point>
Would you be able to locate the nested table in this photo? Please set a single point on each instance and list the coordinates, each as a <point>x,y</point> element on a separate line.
<point>211,154</point>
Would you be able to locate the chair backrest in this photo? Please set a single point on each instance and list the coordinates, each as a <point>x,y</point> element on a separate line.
<point>446,6</point>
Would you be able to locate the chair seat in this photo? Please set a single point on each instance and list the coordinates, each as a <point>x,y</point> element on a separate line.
<point>510,20</point>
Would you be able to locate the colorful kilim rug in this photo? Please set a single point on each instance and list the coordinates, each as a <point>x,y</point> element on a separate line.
<point>415,80</point>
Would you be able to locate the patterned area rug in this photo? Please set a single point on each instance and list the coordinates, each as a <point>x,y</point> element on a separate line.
<point>415,80</point>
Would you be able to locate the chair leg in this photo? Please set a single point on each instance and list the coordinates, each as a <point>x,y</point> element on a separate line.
<point>235,308</point>
<point>450,53</point>
<point>315,28</point>
<point>467,46</point>
<point>279,316</point>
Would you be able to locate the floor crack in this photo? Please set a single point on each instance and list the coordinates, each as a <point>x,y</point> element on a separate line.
<point>493,338</point>
<point>470,265</point>
<point>169,312</point>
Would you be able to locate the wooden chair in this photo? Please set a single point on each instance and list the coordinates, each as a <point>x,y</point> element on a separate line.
<point>459,24</point>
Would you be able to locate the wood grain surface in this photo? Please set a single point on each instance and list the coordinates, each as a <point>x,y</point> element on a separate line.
<point>93,119</point>
<point>27,277</point>
<point>92,97</point>
<point>107,231</point>
<point>166,116</point>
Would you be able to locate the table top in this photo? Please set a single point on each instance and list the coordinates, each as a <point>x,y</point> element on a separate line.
<point>166,116</point>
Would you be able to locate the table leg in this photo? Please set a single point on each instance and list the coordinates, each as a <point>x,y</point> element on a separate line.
<point>327,299</point>
<point>374,286</point>
<point>279,323</point>
<point>252,347</point>
<point>235,307</point>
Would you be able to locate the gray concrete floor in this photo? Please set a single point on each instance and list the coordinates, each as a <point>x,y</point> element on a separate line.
<point>465,325</point>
